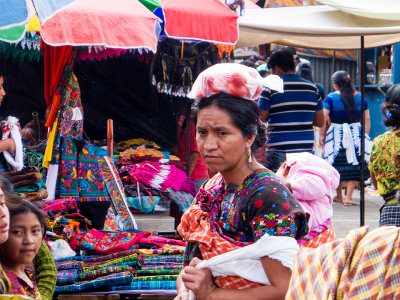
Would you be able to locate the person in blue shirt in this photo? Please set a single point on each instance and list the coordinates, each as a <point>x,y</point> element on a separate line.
<point>292,114</point>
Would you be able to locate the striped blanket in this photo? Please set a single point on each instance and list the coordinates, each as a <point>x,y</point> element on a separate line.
<point>363,265</point>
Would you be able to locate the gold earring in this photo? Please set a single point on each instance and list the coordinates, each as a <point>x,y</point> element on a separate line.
<point>250,158</point>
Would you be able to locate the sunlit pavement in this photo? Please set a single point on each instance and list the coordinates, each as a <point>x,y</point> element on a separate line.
<point>348,217</point>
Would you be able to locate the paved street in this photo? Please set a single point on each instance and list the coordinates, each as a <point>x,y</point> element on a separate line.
<point>348,217</point>
<point>344,219</point>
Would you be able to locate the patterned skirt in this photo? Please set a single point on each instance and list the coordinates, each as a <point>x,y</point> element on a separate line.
<point>349,172</point>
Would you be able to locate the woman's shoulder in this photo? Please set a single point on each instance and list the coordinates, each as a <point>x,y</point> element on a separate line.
<point>390,135</point>
<point>333,95</point>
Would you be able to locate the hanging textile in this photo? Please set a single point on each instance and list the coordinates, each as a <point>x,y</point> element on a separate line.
<point>177,64</point>
<point>124,219</point>
<point>79,175</point>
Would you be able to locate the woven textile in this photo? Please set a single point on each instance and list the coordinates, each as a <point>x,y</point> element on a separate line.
<point>68,265</point>
<point>166,249</point>
<point>159,259</point>
<point>390,215</point>
<point>321,234</point>
<point>131,260</point>
<point>105,242</point>
<point>156,278</point>
<point>60,207</point>
<point>98,284</point>
<point>124,218</point>
<point>104,271</point>
<point>79,173</point>
<point>363,265</point>
<point>67,276</point>
<point>95,258</point>
<point>159,268</point>
<point>158,272</point>
<point>146,285</point>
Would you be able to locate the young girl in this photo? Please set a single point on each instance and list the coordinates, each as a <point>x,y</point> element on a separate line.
<point>26,232</point>
<point>311,181</point>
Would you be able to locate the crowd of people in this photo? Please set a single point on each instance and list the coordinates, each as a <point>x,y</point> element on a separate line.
<point>257,230</point>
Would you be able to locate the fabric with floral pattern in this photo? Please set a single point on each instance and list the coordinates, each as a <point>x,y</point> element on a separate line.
<point>20,287</point>
<point>385,161</point>
<point>242,214</point>
<point>260,205</point>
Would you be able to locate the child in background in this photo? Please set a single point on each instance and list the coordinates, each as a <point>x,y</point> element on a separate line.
<point>26,233</point>
<point>311,181</point>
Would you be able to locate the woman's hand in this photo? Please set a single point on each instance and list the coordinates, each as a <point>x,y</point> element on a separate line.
<point>199,281</point>
<point>322,140</point>
<point>183,296</point>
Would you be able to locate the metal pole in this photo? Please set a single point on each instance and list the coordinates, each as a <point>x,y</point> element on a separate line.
<point>361,81</point>
<point>188,121</point>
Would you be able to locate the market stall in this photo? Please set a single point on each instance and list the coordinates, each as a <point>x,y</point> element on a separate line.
<point>92,195</point>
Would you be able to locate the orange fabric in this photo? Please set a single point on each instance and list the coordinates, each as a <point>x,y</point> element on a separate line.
<point>212,181</point>
<point>224,48</point>
<point>53,111</point>
<point>322,238</point>
<point>194,227</point>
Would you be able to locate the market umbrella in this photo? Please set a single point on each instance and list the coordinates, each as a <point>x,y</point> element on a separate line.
<point>317,27</point>
<point>206,20</point>
<point>16,14</point>
<point>112,24</point>
<point>348,25</point>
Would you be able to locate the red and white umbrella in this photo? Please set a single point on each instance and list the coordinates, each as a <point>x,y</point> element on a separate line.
<point>113,24</point>
<point>206,20</point>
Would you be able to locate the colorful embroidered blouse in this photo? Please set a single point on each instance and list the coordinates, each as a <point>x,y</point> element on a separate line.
<point>385,161</point>
<point>260,205</point>
<point>242,214</point>
<point>20,287</point>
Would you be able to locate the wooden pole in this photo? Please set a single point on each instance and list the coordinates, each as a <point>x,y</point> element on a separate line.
<point>110,138</point>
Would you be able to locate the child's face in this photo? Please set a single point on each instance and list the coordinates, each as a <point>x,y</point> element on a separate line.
<point>4,218</point>
<point>24,239</point>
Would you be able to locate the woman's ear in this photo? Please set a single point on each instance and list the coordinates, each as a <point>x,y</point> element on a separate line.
<point>250,140</point>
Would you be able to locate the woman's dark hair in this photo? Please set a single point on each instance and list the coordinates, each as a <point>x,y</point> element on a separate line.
<point>244,114</point>
<point>12,199</point>
<point>391,108</point>
<point>304,70</point>
<point>282,59</point>
<point>28,207</point>
<point>343,81</point>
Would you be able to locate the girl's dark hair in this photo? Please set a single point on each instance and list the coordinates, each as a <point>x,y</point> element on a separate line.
<point>27,207</point>
<point>391,108</point>
<point>244,114</point>
<point>304,70</point>
<point>343,81</point>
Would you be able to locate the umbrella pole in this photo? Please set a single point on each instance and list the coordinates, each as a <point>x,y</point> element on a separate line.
<point>361,81</point>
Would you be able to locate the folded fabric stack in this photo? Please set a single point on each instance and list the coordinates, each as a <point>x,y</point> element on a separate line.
<point>28,183</point>
<point>163,178</point>
<point>151,263</point>
<point>139,163</point>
